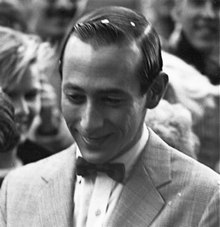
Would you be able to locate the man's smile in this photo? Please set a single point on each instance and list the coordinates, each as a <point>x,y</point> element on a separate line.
<point>94,140</point>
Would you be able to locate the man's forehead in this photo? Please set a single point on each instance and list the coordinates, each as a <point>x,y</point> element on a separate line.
<point>84,48</point>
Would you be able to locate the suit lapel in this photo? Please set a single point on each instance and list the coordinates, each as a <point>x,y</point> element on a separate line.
<point>56,199</point>
<point>140,201</point>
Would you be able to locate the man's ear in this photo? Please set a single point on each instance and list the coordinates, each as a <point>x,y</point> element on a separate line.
<point>156,90</point>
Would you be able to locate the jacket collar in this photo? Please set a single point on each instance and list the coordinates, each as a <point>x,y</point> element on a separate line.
<point>56,197</point>
<point>140,201</point>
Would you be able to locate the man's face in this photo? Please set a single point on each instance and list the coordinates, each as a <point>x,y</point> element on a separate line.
<point>25,96</point>
<point>200,22</point>
<point>50,18</point>
<point>101,99</point>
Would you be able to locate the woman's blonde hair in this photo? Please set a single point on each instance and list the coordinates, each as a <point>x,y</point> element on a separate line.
<point>18,51</point>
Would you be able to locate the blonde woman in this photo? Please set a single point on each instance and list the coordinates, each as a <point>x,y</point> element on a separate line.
<point>24,61</point>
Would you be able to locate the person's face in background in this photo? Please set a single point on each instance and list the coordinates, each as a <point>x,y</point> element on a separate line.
<point>200,22</point>
<point>50,18</point>
<point>25,96</point>
<point>162,7</point>
<point>101,99</point>
<point>158,13</point>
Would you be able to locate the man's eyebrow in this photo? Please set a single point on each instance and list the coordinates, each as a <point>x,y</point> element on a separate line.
<point>102,91</point>
<point>112,91</point>
<point>72,87</point>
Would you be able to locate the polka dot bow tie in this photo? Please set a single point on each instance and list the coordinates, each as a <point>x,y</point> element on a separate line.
<point>114,170</point>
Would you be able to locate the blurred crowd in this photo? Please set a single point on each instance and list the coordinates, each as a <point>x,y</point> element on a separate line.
<point>31,32</point>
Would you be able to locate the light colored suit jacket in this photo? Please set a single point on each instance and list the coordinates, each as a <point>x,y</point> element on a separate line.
<point>166,189</point>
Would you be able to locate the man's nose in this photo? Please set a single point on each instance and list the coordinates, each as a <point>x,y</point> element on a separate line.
<point>92,118</point>
<point>208,10</point>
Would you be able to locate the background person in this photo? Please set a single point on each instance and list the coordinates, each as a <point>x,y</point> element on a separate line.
<point>189,87</point>
<point>196,38</point>
<point>196,41</point>
<point>22,60</point>
<point>49,19</point>
<point>158,13</point>
<point>49,129</point>
<point>11,17</point>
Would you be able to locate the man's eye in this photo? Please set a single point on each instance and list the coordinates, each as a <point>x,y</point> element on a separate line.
<point>112,101</point>
<point>76,98</point>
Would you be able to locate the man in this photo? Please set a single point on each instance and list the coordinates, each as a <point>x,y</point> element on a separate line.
<point>196,41</point>
<point>111,71</point>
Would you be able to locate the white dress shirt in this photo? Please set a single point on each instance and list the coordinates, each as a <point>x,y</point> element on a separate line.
<point>95,197</point>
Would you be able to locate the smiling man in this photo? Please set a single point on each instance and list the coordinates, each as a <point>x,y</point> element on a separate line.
<point>104,96</point>
<point>119,172</point>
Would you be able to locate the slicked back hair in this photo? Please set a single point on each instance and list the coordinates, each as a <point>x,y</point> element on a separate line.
<point>120,26</point>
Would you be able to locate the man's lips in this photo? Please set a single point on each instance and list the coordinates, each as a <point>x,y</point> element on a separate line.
<point>97,140</point>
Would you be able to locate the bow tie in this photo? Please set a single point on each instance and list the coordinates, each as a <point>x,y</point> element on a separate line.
<point>114,170</point>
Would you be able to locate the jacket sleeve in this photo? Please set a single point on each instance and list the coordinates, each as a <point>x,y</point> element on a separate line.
<point>211,215</point>
<point>3,202</point>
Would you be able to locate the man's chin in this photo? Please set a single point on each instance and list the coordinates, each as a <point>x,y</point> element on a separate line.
<point>95,157</point>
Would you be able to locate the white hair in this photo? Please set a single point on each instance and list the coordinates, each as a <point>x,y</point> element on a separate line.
<point>173,123</point>
<point>191,88</point>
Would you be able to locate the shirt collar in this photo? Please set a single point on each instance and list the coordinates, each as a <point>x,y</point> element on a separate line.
<point>130,157</point>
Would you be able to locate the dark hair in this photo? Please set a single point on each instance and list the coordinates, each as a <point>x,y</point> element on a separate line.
<point>119,25</point>
<point>9,136</point>
<point>12,17</point>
